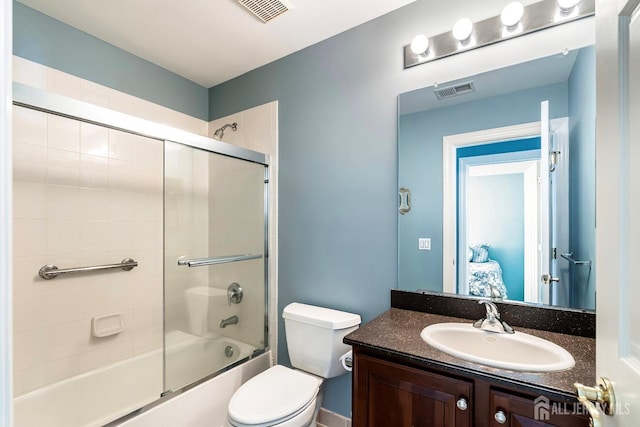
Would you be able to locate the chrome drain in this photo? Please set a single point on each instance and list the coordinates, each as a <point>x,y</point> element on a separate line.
<point>228,351</point>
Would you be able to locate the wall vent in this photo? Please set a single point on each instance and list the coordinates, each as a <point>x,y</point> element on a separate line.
<point>449,91</point>
<point>265,10</point>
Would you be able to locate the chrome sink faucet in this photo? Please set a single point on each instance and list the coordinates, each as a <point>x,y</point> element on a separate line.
<point>491,322</point>
<point>233,320</point>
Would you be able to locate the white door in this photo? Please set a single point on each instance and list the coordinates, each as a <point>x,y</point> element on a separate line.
<point>618,205</point>
<point>544,204</point>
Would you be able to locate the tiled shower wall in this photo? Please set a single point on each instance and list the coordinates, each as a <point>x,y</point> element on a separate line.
<point>48,170</point>
<point>83,195</point>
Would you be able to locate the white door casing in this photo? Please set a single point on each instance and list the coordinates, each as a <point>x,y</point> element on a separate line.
<point>617,210</point>
<point>545,236</point>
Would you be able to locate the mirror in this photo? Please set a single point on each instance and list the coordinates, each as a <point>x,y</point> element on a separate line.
<point>499,206</point>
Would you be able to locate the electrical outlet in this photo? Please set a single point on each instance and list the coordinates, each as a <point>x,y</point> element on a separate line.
<point>424,244</point>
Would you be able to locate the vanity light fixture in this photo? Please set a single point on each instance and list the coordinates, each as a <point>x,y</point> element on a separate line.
<point>462,30</point>
<point>514,21</point>
<point>512,14</point>
<point>567,6</point>
<point>420,44</point>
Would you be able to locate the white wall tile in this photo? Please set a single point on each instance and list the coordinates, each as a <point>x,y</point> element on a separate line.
<point>62,341</point>
<point>93,204</point>
<point>29,201</point>
<point>63,84</point>
<point>29,126</point>
<point>63,167</point>
<point>25,273</point>
<point>63,238</point>
<point>94,93</point>
<point>29,312</point>
<point>121,235</point>
<point>66,305</point>
<point>147,151</point>
<point>122,145</point>
<point>63,133</point>
<point>147,235</point>
<point>29,73</point>
<point>94,236</point>
<point>94,171</point>
<point>121,205</point>
<point>29,237</point>
<point>122,174</point>
<point>28,349</point>
<point>63,202</point>
<point>94,140</point>
<point>29,163</point>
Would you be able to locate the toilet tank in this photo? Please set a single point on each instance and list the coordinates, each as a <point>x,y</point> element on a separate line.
<point>314,337</point>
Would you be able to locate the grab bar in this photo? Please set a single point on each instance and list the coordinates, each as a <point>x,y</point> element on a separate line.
<point>198,262</point>
<point>569,257</point>
<point>51,271</point>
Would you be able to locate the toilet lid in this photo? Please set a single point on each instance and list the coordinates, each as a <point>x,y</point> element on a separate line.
<point>274,394</point>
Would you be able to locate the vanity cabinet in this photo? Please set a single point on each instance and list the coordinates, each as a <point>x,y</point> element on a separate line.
<point>387,393</point>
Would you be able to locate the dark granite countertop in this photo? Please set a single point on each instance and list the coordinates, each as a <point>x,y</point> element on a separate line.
<point>397,333</point>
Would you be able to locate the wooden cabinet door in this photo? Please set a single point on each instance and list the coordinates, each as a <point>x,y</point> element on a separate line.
<point>387,394</point>
<point>520,411</point>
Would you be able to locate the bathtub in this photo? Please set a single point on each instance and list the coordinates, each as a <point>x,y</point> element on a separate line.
<point>98,397</point>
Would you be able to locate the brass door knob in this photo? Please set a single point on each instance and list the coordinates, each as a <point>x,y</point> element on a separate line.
<point>602,394</point>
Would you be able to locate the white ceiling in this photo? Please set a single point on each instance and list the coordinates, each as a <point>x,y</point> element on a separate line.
<point>211,41</point>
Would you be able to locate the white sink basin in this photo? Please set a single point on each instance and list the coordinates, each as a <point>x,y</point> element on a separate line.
<point>517,351</point>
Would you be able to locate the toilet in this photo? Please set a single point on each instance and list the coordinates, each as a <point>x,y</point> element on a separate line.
<point>291,397</point>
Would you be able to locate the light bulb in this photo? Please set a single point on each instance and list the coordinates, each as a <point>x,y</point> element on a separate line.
<point>462,29</point>
<point>419,44</point>
<point>567,5</point>
<point>511,14</point>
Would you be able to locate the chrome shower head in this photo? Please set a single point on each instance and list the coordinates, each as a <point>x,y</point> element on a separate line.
<point>219,133</point>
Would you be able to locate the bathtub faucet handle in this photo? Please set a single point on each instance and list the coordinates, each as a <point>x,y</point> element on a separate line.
<point>234,294</point>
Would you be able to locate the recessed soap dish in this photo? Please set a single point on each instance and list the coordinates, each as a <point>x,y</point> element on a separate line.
<point>107,325</point>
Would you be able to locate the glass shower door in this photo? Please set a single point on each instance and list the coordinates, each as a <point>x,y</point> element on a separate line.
<point>215,263</point>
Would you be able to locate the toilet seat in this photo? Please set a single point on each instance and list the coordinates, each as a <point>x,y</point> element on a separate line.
<point>272,397</point>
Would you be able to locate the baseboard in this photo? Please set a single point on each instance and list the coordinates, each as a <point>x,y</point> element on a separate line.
<point>331,419</point>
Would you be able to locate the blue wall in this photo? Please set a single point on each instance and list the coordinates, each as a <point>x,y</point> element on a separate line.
<point>582,122</point>
<point>42,39</point>
<point>420,157</point>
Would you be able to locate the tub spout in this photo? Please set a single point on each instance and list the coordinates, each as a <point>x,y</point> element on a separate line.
<point>233,320</point>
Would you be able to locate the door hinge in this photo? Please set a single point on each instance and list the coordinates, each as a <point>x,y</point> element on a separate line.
<point>554,253</point>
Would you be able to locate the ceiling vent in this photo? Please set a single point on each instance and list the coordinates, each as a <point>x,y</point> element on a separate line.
<point>460,89</point>
<point>265,10</point>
